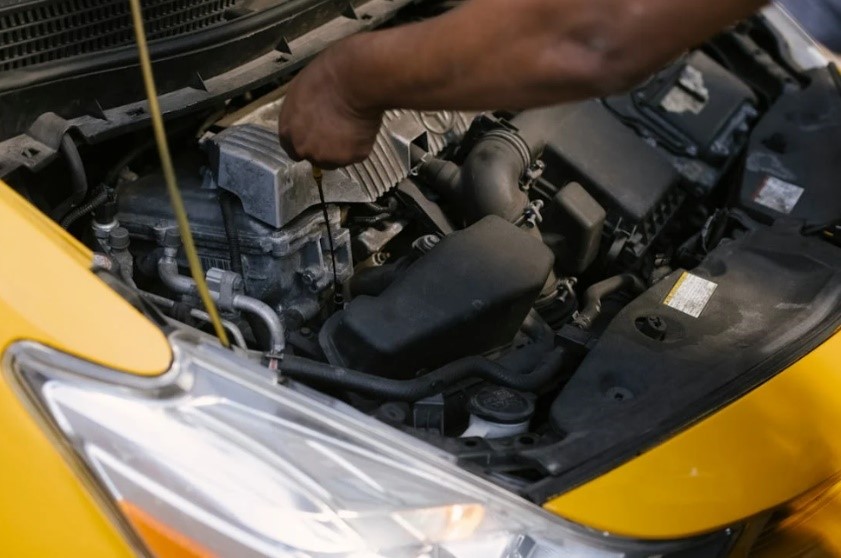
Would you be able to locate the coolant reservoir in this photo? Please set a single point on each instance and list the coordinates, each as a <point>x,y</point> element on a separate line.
<point>498,412</point>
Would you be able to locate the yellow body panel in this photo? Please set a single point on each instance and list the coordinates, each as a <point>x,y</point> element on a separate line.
<point>809,528</point>
<point>48,294</point>
<point>774,444</point>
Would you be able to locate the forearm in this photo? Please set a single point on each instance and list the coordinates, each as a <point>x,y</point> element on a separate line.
<point>504,54</point>
<point>487,54</point>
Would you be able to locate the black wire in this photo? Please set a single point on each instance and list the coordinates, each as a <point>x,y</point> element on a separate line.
<point>113,173</point>
<point>337,296</point>
<point>102,194</point>
<point>554,365</point>
<point>78,177</point>
<point>226,204</point>
<point>99,198</point>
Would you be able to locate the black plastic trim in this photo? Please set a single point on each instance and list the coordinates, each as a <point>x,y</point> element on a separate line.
<point>255,58</point>
<point>807,336</point>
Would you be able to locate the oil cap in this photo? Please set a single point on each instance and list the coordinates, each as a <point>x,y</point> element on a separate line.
<point>501,405</point>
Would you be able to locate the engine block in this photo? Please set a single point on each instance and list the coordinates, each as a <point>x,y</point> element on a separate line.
<point>289,268</point>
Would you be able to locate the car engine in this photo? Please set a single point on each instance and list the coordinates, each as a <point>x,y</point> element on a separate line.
<point>512,287</point>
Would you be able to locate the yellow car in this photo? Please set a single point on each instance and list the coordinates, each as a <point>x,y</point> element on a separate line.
<point>599,329</point>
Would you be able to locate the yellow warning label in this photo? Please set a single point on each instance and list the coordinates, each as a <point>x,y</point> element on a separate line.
<point>690,294</point>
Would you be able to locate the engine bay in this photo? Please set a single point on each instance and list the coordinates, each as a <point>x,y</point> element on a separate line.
<point>541,293</point>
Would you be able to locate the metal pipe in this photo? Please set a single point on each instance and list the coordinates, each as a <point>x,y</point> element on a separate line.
<point>168,271</point>
<point>169,304</point>
<point>233,329</point>
<point>265,312</point>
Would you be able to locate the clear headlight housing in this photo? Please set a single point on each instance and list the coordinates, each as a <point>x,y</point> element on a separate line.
<point>215,458</point>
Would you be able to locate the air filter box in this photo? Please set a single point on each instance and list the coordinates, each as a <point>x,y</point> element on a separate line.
<point>469,295</point>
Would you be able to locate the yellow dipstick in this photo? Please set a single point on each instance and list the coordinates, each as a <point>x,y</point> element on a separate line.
<point>169,174</point>
<point>318,176</point>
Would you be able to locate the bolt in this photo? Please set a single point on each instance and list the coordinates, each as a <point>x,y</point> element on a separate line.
<point>308,277</point>
<point>118,238</point>
<point>653,326</point>
<point>618,393</point>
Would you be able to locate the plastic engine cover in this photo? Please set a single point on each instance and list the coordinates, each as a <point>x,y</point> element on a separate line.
<point>470,294</point>
<point>792,164</point>
<point>693,342</point>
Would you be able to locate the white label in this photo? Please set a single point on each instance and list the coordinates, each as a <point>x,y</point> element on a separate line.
<point>690,294</point>
<point>778,195</point>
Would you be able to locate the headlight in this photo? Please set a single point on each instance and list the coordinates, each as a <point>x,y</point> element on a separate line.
<point>216,459</point>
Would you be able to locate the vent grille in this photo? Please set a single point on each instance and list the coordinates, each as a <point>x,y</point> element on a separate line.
<point>58,30</point>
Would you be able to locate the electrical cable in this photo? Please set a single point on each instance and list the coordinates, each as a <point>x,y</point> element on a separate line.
<point>226,204</point>
<point>169,175</point>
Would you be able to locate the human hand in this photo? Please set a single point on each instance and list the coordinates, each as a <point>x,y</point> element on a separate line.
<point>319,120</point>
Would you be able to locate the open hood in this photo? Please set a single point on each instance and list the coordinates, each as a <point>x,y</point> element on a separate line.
<point>76,62</point>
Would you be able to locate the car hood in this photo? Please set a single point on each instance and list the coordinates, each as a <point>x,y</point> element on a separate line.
<point>74,65</point>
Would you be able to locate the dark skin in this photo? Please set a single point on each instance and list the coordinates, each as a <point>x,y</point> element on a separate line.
<point>484,55</point>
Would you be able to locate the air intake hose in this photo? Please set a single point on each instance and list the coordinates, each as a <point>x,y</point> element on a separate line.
<point>488,183</point>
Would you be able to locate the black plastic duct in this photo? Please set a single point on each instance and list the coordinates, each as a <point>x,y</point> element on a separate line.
<point>488,183</point>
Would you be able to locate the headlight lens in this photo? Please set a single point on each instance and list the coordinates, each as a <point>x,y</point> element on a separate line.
<point>216,459</point>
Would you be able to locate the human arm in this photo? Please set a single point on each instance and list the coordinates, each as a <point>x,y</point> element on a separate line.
<point>488,54</point>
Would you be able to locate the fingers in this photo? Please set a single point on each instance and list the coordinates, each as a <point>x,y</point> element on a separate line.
<point>316,124</point>
<point>327,142</point>
<point>332,160</point>
<point>320,119</point>
<point>288,145</point>
<point>330,154</point>
<point>327,165</point>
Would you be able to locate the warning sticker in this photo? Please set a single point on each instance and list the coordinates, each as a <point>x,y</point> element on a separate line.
<point>778,194</point>
<point>690,294</point>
